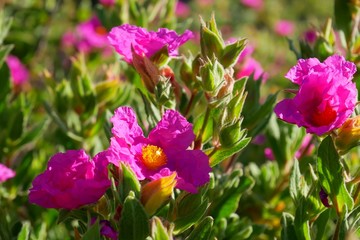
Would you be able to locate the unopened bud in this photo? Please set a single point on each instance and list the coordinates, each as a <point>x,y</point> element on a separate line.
<point>348,135</point>
<point>211,41</point>
<point>231,134</point>
<point>212,75</point>
<point>155,193</point>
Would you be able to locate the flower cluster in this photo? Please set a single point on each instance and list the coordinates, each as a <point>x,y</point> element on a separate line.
<point>326,95</point>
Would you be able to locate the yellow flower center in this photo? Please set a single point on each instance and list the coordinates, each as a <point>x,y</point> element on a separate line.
<point>153,157</point>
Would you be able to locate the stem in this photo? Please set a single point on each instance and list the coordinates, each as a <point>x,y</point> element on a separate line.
<point>190,104</point>
<point>356,195</point>
<point>337,229</point>
<point>199,139</point>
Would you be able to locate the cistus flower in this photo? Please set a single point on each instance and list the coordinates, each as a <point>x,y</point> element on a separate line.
<point>87,37</point>
<point>162,153</point>
<point>18,72</point>
<point>5,173</point>
<point>70,181</point>
<point>326,95</point>
<point>348,135</point>
<point>145,43</point>
<point>284,28</point>
<point>255,4</point>
<point>182,9</point>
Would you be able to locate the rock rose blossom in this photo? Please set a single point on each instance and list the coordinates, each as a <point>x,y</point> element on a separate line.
<point>70,181</point>
<point>18,71</point>
<point>87,37</point>
<point>326,95</point>
<point>123,37</point>
<point>284,28</point>
<point>162,153</point>
<point>5,173</point>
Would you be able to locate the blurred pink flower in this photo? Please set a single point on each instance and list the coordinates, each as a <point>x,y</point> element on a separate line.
<point>162,153</point>
<point>284,28</point>
<point>251,66</point>
<point>255,4</point>
<point>126,36</point>
<point>107,3</point>
<point>18,71</point>
<point>182,9</point>
<point>5,173</point>
<point>87,37</point>
<point>70,181</point>
<point>326,95</point>
<point>269,154</point>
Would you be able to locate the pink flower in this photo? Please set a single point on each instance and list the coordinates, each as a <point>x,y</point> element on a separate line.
<point>88,36</point>
<point>284,28</point>
<point>19,73</point>
<point>70,181</point>
<point>255,4</point>
<point>251,66</point>
<point>326,95</point>
<point>107,3</point>
<point>162,153</point>
<point>146,43</point>
<point>182,9</point>
<point>5,173</point>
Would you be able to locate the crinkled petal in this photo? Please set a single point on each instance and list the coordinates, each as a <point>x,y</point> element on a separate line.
<point>338,63</point>
<point>301,69</point>
<point>173,131</point>
<point>125,125</point>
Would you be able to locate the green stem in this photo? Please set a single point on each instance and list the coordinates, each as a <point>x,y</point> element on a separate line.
<point>337,229</point>
<point>198,141</point>
<point>190,104</point>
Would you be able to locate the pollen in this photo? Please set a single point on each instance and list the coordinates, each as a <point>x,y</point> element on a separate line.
<point>325,117</point>
<point>153,157</point>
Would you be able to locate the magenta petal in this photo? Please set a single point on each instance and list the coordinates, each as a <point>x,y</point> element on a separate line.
<point>173,131</point>
<point>192,168</point>
<point>301,69</point>
<point>125,125</point>
<point>287,111</point>
<point>70,181</point>
<point>338,63</point>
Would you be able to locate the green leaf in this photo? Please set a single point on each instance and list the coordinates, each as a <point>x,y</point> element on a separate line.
<point>129,183</point>
<point>5,24</point>
<point>25,231</point>
<point>343,19</point>
<point>231,53</point>
<point>203,230</point>
<point>93,233</point>
<point>186,222</point>
<point>4,51</point>
<point>321,223</point>
<point>5,231</point>
<point>222,154</point>
<point>298,187</point>
<point>301,222</point>
<point>158,231</point>
<point>134,223</point>
<point>288,230</point>
<point>331,177</point>
<point>229,200</point>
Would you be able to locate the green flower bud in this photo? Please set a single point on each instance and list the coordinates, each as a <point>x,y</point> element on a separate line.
<point>231,53</point>
<point>212,75</point>
<point>211,41</point>
<point>231,134</point>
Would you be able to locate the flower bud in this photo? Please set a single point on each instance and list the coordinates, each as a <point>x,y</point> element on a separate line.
<point>231,53</point>
<point>155,193</point>
<point>348,135</point>
<point>231,134</point>
<point>211,41</point>
<point>212,75</point>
